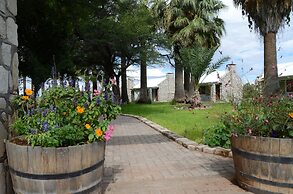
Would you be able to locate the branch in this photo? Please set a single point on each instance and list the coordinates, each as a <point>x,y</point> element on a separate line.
<point>169,59</point>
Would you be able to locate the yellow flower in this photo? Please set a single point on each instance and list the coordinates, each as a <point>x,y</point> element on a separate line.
<point>291,115</point>
<point>87,126</point>
<point>25,97</point>
<point>79,109</point>
<point>28,92</point>
<point>99,132</point>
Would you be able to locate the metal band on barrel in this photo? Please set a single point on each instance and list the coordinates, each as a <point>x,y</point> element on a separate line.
<point>57,176</point>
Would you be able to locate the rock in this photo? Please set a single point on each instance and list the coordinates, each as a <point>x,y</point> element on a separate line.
<point>222,151</point>
<point>2,6</point>
<point>181,140</point>
<point>3,135</point>
<point>15,71</point>
<point>2,28</point>
<point>6,54</point>
<point>200,147</point>
<point>4,80</point>
<point>209,150</point>
<point>2,103</point>
<point>191,147</point>
<point>230,154</point>
<point>11,31</point>
<point>12,6</point>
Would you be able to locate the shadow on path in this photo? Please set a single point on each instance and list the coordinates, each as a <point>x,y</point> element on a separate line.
<point>138,139</point>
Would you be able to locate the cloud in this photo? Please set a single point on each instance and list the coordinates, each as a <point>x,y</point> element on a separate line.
<point>152,72</point>
<point>245,47</point>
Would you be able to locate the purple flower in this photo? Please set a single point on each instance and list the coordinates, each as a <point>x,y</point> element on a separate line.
<point>274,134</point>
<point>106,96</point>
<point>32,111</point>
<point>98,101</point>
<point>87,86</point>
<point>33,131</point>
<point>45,112</point>
<point>45,126</point>
<point>113,98</point>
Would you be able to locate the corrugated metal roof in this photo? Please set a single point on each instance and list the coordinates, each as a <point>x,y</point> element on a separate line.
<point>285,69</point>
<point>213,77</point>
<point>151,83</point>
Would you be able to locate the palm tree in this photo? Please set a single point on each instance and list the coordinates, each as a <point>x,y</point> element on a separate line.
<point>267,17</point>
<point>187,22</point>
<point>198,60</point>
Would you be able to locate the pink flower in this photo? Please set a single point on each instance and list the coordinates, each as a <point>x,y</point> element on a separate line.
<point>249,131</point>
<point>113,81</point>
<point>96,92</point>
<point>108,133</point>
<point>111,128</point>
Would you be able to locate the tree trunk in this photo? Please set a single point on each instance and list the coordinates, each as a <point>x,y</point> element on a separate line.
<point>143,96</point>
<point>191,87</point>
<point>24,84</point>
<point>271,81</point>
<point>95,83</point>
<point>124,81</point>
<point>116,89</point>
<point>179,87</point>
<point>187,84</point>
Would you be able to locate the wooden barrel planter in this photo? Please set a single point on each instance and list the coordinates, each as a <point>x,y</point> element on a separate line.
<point>66,170</point>
<point>262,164</point>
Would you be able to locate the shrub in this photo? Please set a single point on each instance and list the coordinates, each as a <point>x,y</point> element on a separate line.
<point>218,135</point>
<point>258,116</point>
<point>65,116</point>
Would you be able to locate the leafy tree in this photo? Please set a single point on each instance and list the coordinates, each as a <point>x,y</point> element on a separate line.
<point>48,36</point>
<point>198,60</point>
<point>186,23</point>
<point>267,17</point>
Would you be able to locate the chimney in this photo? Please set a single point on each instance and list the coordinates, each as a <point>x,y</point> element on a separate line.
<point>170,75</point>
<point>231,67</point>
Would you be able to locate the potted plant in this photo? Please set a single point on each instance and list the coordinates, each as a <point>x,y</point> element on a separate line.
<point>60,140</point>
<point>262,143</point>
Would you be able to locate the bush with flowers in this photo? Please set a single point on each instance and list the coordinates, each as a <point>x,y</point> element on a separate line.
<point>254,116</point>
<point>259,116</point>
<point>64,116</point>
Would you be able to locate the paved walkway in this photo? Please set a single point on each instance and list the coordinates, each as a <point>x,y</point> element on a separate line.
<point>140,160</point>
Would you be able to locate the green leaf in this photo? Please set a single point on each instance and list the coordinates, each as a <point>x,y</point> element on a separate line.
<point>91,137</point>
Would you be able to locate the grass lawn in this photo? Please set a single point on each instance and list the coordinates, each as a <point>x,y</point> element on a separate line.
<point>188,123</point>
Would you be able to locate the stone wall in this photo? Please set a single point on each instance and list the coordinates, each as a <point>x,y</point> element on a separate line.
<point>167,88</point>
<point>8,78</point>
<point>232,87</point>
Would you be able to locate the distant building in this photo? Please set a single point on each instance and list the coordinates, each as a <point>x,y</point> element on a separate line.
<point>285,74</point>
<point>159,89</point>
<point>221,85</point>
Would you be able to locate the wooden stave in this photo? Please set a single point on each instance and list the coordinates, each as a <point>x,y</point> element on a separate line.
<point>70,185</point>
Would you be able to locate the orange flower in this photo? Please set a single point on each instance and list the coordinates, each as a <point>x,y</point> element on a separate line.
<point>87,126</point>
<point>79,109</point>
<point>25,97</point>
<point>291,115</point>
<point>99,132</point>
<point>28,92</point>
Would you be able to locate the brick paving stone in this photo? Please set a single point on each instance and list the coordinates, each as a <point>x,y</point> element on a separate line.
<point>141,160</point>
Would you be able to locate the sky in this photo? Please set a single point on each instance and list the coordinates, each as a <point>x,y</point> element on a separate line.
<point>243,46</point>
